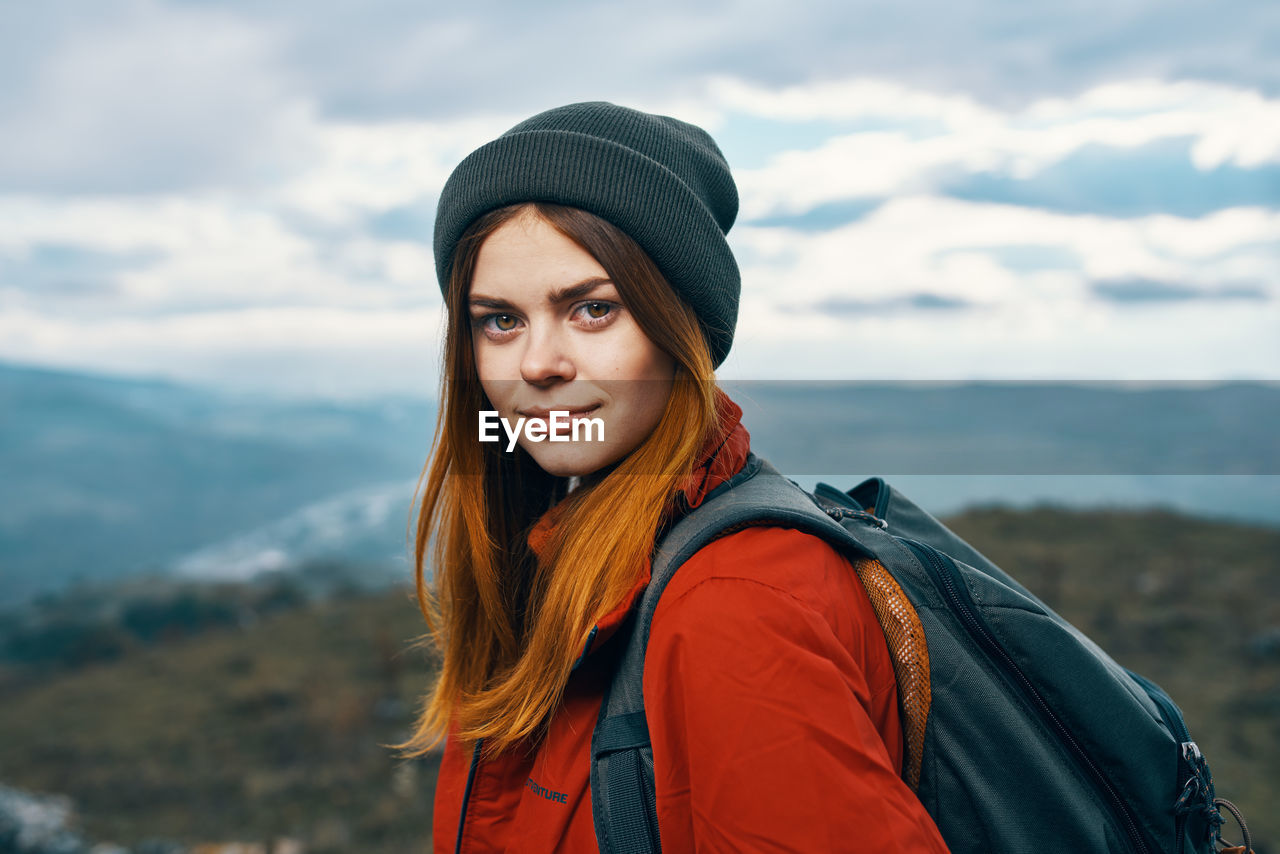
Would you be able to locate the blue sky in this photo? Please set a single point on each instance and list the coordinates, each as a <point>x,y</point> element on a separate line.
<point>242,193</point>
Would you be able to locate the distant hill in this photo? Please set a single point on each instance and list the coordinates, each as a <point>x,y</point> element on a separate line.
<point>1017,428</point>
<point>265,718</point>
<point>103,477</point>
<point>1210,449</point>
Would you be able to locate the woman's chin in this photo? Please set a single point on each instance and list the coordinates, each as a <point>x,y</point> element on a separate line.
<point>570,460</point>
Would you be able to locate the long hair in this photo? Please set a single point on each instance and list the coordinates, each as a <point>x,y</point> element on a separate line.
<point>508,624</point>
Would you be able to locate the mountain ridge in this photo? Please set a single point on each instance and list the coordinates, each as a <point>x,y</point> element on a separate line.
<point>106,476</point>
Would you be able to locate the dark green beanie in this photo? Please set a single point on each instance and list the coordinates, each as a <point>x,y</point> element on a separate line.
<point>662,181</point>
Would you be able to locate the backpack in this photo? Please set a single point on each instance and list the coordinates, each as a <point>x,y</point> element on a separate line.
<point>1020,733</point>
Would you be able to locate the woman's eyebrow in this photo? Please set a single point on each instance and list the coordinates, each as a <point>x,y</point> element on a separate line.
<point>578,291</point>
<point>488,302</point>
<point>565,294</point>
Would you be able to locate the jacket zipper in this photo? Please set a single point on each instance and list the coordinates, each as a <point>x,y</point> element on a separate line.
<point>466,794</point>
<point>944,573</point>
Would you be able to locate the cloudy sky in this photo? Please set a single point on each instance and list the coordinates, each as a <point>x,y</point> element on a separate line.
<point>242,193</point>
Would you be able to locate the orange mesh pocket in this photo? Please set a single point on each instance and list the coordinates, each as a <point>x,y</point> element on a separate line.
<point>910,655</point>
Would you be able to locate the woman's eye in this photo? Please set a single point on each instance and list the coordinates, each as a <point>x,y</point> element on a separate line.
<point>496,325</point>
<point>596,312</point>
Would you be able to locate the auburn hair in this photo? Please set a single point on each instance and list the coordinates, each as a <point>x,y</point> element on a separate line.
<point>509,626</point>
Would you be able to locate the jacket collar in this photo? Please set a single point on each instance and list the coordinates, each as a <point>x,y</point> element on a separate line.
<point>722,457</point>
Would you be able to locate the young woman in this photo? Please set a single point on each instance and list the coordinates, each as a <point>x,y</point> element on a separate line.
<point>585,270</point>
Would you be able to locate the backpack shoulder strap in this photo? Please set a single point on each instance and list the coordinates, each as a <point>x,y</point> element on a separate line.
<point>622,789</point>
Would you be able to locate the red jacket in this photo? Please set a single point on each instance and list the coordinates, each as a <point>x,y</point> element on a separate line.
<point>771,702</point>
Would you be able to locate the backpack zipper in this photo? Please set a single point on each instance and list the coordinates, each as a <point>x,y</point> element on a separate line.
<point>466,794</point>
<point>944,573</point>
<point>1173,719</point>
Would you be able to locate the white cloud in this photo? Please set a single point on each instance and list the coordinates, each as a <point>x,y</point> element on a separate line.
<point>154,97</point>
<point>218,251</point>
<point>938,245</point>
<point>284,284</point>
<point>1228,125</point>
<point>363,169</point>
<point>1071,341</point>
<point>1035,324</point>
<point>329,351</point>
<point>851,99</point>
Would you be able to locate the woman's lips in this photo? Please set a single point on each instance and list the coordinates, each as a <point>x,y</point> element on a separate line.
<point>545,414</point>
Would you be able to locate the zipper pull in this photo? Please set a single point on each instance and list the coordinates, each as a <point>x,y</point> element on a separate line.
<point>839,513</point>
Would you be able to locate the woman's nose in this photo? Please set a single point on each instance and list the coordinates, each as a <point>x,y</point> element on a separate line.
<point>546,358</point>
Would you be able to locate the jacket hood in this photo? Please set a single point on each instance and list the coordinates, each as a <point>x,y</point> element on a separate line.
<point>722,457</point>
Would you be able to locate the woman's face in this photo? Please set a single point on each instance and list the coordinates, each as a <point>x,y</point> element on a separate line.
<point>550,333</point>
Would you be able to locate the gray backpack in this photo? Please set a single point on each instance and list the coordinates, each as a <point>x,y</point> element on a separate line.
<point>1020,733</point>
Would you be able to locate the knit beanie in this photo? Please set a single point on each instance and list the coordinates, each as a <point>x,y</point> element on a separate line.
<point>662,181</point>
